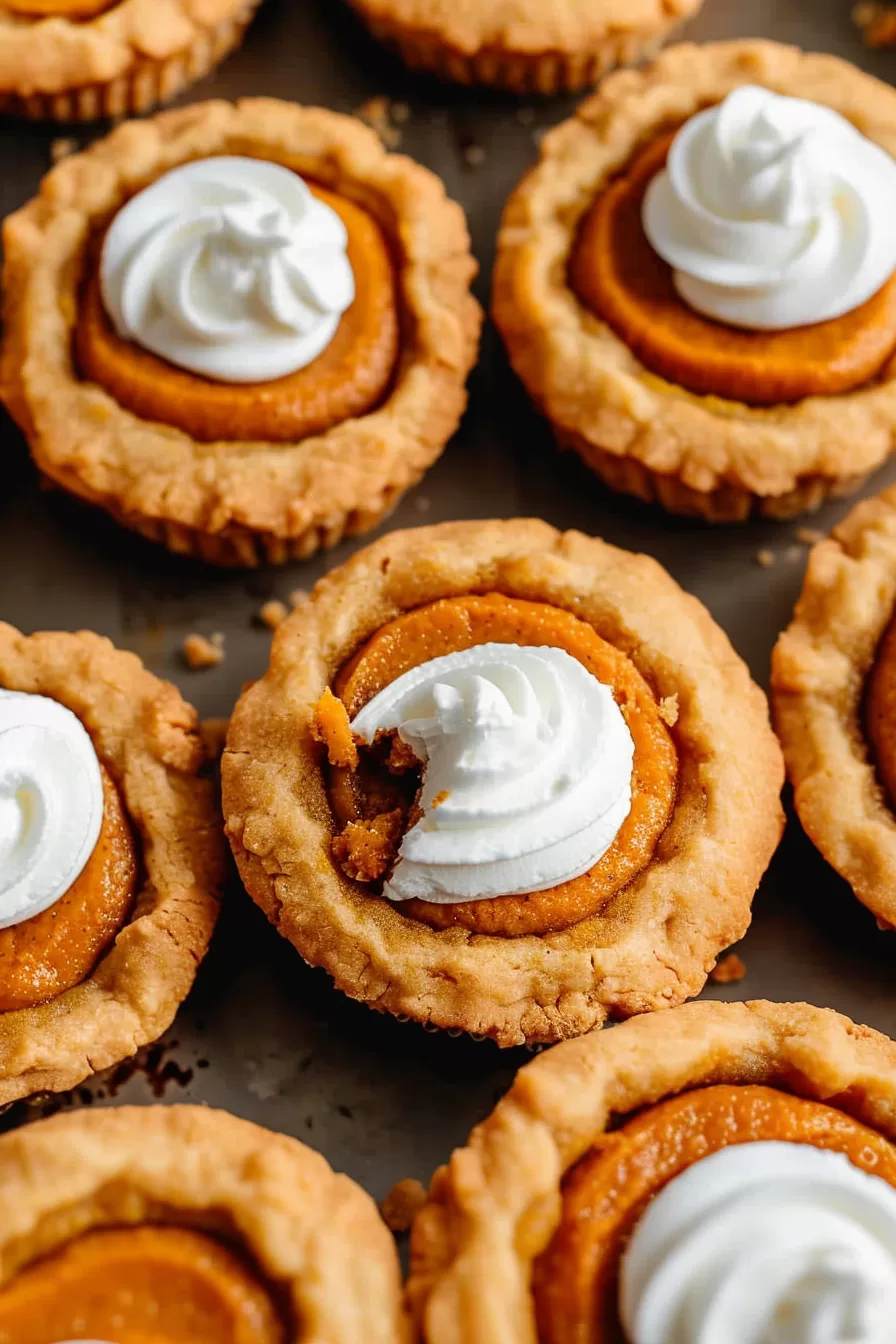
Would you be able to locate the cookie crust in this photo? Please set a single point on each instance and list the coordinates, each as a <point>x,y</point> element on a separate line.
<point>127,59</point>
<point>315,1236</point>
<point>147,737</point>
<point>819,669</point>
<point>655,942</point>
<point>496,1205</point>
<point>238,502</point>
<point>721,460</point>
<point>527,46</point>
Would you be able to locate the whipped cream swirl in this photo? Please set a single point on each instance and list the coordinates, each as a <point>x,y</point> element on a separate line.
<point>774,212</point>
<point>51,803</point>
<point>527,771</point>
<point>764,1243</point>
<point>230,268</point>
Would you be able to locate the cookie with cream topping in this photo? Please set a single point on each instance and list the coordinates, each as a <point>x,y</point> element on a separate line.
<point>504,780</point>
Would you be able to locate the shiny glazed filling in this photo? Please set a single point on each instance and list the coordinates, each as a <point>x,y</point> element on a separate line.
<point>144,1285</point>
<point>373,801</point>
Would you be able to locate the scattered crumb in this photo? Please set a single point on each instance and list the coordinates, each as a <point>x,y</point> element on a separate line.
<point>377,113</point>
<point>402,1203</point>
<point>331,727</point>
<point>200,652</point>
<point>525,115</point>
<point>809,535</point>
<point>877,22</point>
<point>669,710</point>
<point>366,850</point>
<point>401,113</point>
<point>765,558</point>
<point>298,597</point>
<point>273,613</point>
<point>402,757</point>
<point>441,798</point>
<point>214,734</point>
<point>794,553</point>
<point>423,504</point>
<point>729,970</point>
<point>62,148</point>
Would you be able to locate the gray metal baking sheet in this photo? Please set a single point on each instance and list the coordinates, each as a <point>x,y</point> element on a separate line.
<point>262,1034</point>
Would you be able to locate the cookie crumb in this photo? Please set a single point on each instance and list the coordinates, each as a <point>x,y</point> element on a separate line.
<point>62,148</point>
<point>367,850</point>
<point>441,798</point>
<point>298,597</point>
<point>669,710</point>
<point>809,536</point>
<point>200,652</point>
<point>474,156</point>
<point>331,727</point>
<point>377,114</point>
<point>765,558</point>
<point>273,613</point>
<point>403,1202</point>
<point>877,22</point>
<point>214,734</point>
<point>728,971</point>
<point>402,757</point>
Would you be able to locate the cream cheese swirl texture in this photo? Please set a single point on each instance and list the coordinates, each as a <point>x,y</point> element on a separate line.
<point>51,803</point>
<point>774,212</point>
<point>527,771</point>
<point>228,267</point>
<point>764,1243</point>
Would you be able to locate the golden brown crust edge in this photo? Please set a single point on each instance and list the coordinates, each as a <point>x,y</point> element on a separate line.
<point>313,1234</point>
<point>655,943</point>
<point>238,503</point>
<point>130,58</point>
<point>819,668</point>
<point>147,737</point>
<point>693,455</point>
<point>495,1206</point>
<point>538,50</point>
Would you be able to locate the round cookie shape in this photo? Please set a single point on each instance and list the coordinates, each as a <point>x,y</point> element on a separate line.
<point>238,501</point>
<point>526,46</point>
<point>647,435</point>
<point>79,60</point>
<point>831,690</point>
<point>500,1238</point>
<point>152,900</point>
<point>255,1239</point>
<point>654,942</point>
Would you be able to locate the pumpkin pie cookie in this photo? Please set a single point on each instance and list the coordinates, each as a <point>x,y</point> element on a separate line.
<point>504,780</point>
<point>526,46</point>
<point>77,60</point>
<point>718,1172</point>
<point>244,331</point>
<point>697,281</point>
<point>110,858</point>
<point>177,1224</point>
<point>834,699</point>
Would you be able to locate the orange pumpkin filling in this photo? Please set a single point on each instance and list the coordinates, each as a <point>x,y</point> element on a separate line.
<point>880,711</point>
<point>145,1285</point>
<point>46,955</point>
<point>615,272</point>
<point>349,378</point>
<point>576,1278</point>
<point>61,9</point>
<point>384,784</point>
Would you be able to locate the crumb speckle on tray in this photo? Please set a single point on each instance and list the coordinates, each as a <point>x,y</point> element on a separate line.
<point>728,970</point>
<point>273,613</point>
<point>402,1204</point>
<point>201,652</point>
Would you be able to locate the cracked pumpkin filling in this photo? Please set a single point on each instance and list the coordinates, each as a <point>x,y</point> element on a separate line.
<point>616,273</point>
<point>43,956</point>
<point>350,377</point>
<point>374,788</point>
<point>170,1285</point>
<point>604,1196</point>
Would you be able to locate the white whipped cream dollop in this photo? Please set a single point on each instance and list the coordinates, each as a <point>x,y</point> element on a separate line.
<point>230,268</point>
<point>527,771</point>
<point>51,803</point>
<point>764,1243</point>
<point>774,212</point>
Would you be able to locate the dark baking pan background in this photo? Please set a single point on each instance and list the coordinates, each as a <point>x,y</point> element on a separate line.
<point>262,1034</point>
